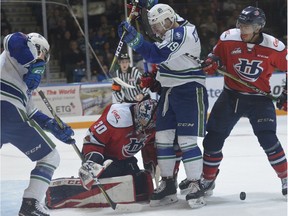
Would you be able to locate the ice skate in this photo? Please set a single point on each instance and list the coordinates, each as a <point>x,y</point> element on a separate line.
<point>165,194</point>
<point>284,187</point>
<point>196,196</point>
<point>184,187</point>
<point>32,207</point>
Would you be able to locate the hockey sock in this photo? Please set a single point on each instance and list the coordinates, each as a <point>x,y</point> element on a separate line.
<point>211,162</point>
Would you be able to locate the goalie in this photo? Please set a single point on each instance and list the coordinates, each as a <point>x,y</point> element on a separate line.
<point>108,149</point>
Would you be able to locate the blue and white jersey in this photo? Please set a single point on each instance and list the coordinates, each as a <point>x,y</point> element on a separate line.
<point>173,55</point>
<point>14,60</point>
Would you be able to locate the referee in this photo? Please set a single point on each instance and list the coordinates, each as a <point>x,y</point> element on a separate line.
<point>132,76</point>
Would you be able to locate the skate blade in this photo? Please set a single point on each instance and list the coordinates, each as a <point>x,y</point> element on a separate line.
<point>165,201</point>
<point>197,203</point>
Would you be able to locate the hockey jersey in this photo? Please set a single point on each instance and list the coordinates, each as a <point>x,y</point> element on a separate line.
<point>173,56</point>
<point>14,61</point>
<point>113,134</point>
<point>253,63</point>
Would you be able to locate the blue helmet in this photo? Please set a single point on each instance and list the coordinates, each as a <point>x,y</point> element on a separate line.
<point>252,16</point>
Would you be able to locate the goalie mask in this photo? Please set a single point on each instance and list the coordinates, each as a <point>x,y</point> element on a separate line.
<point>145,115</point>
<point>158,16</point>
<point>38,46</point>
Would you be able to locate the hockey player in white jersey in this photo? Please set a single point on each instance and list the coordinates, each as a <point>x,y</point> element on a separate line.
<point>22,64</point>
<point>183,102</point>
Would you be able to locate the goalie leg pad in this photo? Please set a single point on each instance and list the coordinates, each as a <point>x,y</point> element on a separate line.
<point>69,193</point>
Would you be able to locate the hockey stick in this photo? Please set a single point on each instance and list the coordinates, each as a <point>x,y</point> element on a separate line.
<point>254,88</point>
<point>118,50</point>
<point>133,207</point>
<point>231,76</point>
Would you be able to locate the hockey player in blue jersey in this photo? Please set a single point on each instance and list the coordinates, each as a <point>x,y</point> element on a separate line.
<point>183,101</point>
<point>22,65</point>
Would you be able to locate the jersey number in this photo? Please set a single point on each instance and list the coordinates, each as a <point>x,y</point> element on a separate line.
<point>173,46</point>
<point>100,127</point>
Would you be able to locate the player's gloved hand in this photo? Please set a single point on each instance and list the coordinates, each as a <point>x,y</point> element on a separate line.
<point>147,80</point>
<point>90,171</point>
<point>133,38</point>
<point>62,134</point>
<point>281,102</point>
<point>211,64</point>
<point>33,77</point>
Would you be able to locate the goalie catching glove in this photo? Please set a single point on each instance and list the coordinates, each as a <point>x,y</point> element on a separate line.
<point>90,172</point>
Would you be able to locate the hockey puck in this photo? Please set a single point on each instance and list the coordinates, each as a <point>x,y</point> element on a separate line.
<point>242,195</point>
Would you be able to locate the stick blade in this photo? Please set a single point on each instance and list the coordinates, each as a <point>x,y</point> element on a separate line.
<point>130,207</point>
<point>122,83</point>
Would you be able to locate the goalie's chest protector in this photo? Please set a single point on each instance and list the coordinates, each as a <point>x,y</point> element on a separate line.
<point>121,142</point>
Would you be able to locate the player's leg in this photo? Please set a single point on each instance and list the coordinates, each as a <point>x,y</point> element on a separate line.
<point>263,120</point>
<point>30,139</point>
<point>190,104</point>
<point>223,117</point>
<point>165,134</point>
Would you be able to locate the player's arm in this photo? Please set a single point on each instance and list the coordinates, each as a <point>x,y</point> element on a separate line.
<point>49,124</point>
<point>93,152</point>
<point>153,52</point>
<point>16,45</point>
<point>116,91</point>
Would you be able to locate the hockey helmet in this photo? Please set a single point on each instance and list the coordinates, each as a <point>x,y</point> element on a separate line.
<point>38,45</point>
<point>158,14</point>
<point>124,56</point>
<point>252,16</point>
<point>145,115</point>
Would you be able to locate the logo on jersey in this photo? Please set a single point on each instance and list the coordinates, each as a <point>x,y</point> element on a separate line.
<point>178,35</point>
<point>133,147</point>
<point>249,71</point>
<point>116,115</point>
<point>236,51</point>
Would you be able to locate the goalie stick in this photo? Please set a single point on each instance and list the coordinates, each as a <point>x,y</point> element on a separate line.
<point>129,207</point>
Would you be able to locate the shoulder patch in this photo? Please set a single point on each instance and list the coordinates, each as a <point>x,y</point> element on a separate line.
<point>178,35</point>
<point>272,42</point>
<point>119,116</point>
<point>231,34</point>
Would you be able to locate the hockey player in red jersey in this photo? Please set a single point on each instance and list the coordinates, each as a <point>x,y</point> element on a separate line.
<point>252,56</point>
<point>113,140</point>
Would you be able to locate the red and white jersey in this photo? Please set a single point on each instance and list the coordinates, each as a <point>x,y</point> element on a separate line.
<point>253,63</point>
<point>113,134</point>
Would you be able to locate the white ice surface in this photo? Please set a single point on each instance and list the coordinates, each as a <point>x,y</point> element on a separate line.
<point>244,168</point>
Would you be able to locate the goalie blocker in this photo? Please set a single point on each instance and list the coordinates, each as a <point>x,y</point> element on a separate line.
<point>69,193</point>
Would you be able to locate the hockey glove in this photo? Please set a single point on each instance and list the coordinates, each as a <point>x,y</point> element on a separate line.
<point>90,171</point>
<point>147,80</point>
<point>62,134</point>
<point>211,64</point>
<point>33,77</point>
<point>281,103</point>
<point>133,38</point>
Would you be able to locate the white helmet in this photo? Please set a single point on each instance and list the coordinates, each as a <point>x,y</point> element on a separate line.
<point>159,13</point>
<point>38,44</point>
